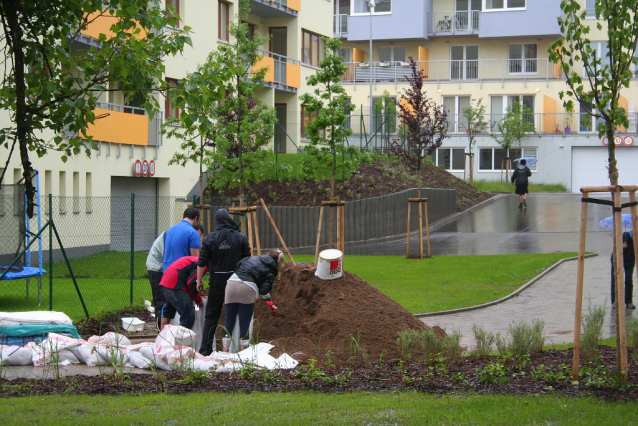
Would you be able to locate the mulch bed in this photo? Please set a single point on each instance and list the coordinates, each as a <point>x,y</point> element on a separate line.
<point>381,177</point>
<point>379,376</point>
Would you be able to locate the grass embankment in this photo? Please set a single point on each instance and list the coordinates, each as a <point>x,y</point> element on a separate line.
<point>428,285</point>
<point>498,186</point>
<point>303,408</point>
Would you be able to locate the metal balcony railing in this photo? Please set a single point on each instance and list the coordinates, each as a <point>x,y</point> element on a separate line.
<point>280,65</point>
<point>340,27</point>
<point>479,70</point>
<point>463,21</point>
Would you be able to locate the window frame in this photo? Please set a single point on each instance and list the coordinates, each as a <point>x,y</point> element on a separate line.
<point>219,21</point>
<point>321,46</point>
<point>304,130</point>
<point>524,152</point>
<point>451,150</point>
<point>523,59</point>
<point>353,13</point>
<point>505,7</point>
<point>392,54</point>
<point>176,5</point>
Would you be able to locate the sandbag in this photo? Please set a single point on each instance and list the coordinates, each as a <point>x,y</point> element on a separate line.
<point>15,355</point>
<point>111,339</point>
<point>172,336</point>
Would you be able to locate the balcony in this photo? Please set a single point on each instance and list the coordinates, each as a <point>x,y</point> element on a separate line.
<point>275,8</point>
<point>452,71</point>
<point>126,125</point>
<point>340,27</point>
<point>284,73</point>
<point>461,22</point>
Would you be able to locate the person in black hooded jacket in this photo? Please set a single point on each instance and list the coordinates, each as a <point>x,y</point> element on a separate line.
<point>221,250</point>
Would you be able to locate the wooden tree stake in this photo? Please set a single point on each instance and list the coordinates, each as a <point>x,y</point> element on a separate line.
<point>272,222</point>
<point>580,275</point>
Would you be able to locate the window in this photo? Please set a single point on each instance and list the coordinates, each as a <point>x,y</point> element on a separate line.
<point>454,106</point>
<point>523,58</point>
<point>499,105</point>
<point>224,20</point>
<point>381,6</point>
<point>392,54</point>
<point>601,51</point>
<point>62,191</point>
<point>175,5</point>
<point>252,30</point>
<point>503,4</point>
<point>491,159</point>
<point>306,118</point>
<point>590,7</point>
<point>312,50</point>
<point>346,54</point>
<point>464,62</point>
<point>89,192</point>
<point>384,118</point>
<point>449,158</point>
<point>171,110</point>
<point>587,123</point>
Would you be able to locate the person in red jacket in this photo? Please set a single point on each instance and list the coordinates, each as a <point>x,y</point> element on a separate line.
<point>180,290</point>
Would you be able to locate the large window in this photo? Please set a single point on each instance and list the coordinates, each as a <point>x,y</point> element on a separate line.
<point>601,50</point>
<point>454,106</point>
<point>306,119</point>
<point>590,7</point>
<point>503,4</point>
<point>464,62</point>
<point>491,159</point>
<point>523,58</point>
<point>175,4</point>
<point>499,105</point>
<point>224,20</point>
<point>381,6</point>
<point>313,47</point>
<point>392,54</point>
<point>450,158</point>
<point>171,110</point>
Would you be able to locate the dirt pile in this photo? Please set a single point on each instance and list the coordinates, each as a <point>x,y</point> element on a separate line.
<point>319,316</point>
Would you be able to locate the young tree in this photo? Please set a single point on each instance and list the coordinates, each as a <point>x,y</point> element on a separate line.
<point>475,123</point>
<point>515,126</point>
<point>599,81</point>
<point>425,122</point>
<point>327,132</point>
<point>51,85</point>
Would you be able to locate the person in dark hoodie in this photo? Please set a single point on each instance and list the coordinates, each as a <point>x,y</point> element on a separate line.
<point>519,177</point>
<point>629,262</point>
<point>221,250</point>
<point>254,276</point>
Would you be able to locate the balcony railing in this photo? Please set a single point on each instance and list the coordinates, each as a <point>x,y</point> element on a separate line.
<point>282,67</point>
<point>460,21</point>
<point>340,27</point>
<point>480,70</point>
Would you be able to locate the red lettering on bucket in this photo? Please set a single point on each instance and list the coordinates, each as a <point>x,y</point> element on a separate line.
<point>334,264</point>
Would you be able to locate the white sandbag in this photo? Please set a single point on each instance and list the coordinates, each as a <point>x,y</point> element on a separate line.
<point>138,360</point>
<point>111,339</point>
<point>198,325</point>
<point>34,317</point>
<point>286,362</point>
<point>181,358</point>
<point>56,349</point>
<point>112,355</point>
<point>15,355</point>
<point>90,355</point>
<point>159,361</point>
<point>172,336</point>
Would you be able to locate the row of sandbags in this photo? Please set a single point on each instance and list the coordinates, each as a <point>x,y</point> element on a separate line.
<point>172,350</point>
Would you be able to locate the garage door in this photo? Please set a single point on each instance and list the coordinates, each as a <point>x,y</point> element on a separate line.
<point>146,209</point>
<point>589,166</point>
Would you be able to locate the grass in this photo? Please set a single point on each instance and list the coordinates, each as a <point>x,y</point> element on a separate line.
<point>303,408</point>
<point>427,285</point>
<point>439,284</point>
<point>498,186</point>
<point>295,163</point>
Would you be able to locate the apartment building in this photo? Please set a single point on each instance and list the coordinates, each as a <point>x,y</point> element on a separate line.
<point>132,154</point>
<point>496,50</point>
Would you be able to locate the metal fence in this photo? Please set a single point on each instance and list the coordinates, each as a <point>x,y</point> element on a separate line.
<point>94,248</point>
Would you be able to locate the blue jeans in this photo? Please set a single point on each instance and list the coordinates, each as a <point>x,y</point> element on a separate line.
<point>182,302</point>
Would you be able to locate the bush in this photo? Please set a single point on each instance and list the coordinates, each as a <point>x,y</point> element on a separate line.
<point>451,347</point>
<point>408,342</point>
<point>592,331</point>
<point>484,341</point>
<point>632,338</point>
<point>524,339</point>
<point>432,345</point>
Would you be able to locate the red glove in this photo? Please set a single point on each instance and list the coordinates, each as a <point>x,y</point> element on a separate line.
<point>275,311</point>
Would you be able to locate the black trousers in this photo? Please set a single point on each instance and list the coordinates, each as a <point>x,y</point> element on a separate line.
<point>629,283</point>
<point>214,306</point>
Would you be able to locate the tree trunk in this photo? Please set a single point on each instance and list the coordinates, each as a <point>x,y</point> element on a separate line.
<point>611,149</point>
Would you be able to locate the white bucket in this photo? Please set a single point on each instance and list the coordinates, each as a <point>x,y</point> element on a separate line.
<point>330,265</point>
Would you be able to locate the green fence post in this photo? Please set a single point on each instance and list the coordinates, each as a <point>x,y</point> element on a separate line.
<point>50,254</point>
<point>132,243</point>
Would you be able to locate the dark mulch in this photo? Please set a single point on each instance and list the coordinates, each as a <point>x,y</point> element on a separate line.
<point>380,376</point>
<point>103,323</point>
<point>381,177</point>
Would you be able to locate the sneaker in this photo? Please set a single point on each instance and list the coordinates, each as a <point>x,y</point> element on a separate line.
<point>520,206</point>
<point>631,306</point>
<point>525,202</point>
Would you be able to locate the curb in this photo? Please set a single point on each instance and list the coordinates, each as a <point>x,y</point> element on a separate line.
<point>503,299</point>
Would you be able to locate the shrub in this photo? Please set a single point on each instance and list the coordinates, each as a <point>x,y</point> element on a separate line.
<point>484,340</point>
<point>526,339</point>
<point>592,331</point>
<point>632,338</point>
<point>451,347</point>
<point>432,345</point>
<point>408,342</point>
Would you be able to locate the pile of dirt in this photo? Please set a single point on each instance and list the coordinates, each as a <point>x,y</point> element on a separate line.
<point>320,316</point>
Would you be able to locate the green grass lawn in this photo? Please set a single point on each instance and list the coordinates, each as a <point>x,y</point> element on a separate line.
<point>447,282</point>
<point>426,285</point>
<point>305,408</point>
<point>493,185</point>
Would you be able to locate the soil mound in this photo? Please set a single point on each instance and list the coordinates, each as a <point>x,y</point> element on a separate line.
<point>319,316</point>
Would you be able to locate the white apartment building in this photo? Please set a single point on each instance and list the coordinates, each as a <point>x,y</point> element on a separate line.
<point>496,50</point>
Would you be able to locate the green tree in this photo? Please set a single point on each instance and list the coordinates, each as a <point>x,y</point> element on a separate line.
<point>599,82</point>
<point>327,132</point>
<point>51,83</point>
<point>475,123</point>
<point>515,126</point>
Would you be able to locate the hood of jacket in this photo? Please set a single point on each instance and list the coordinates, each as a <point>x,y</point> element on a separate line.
<point>269,262</point>
<point>521,167</point>
<point>224,221</point>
